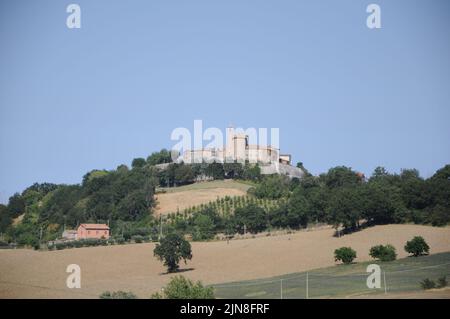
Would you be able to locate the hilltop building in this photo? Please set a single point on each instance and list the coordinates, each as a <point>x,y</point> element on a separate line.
<point>238,149</point>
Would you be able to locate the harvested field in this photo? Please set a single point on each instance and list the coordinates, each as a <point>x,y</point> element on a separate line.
<point>32,274</point>
<point>179,198</point>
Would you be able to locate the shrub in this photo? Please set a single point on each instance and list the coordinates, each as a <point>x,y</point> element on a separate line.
<point>120,240</point>
<point>417,246</point>
<point>60,246</point>
<point>442,282</point>
<point>344,254</point>
<point>383,253</point>
<point>182,288</point>
<point>138,239</point>
<point>427,284</point>
<point>118,295</point>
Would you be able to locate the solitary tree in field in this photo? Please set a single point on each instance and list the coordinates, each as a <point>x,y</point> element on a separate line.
<point>171,250</point>
<point>417,246</point>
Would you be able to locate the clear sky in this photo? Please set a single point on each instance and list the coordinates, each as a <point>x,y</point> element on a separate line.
<point>72,100</point>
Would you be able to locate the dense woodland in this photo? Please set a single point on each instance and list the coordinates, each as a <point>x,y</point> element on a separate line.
<point>124,198</point>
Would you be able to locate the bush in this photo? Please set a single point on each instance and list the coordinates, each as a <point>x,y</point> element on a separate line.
<point>182,288</point>
<point>118,295</point>
<point>383,253</point>
<point>442,282</point>
<point>138,239</point>
<point>120,241</point>
<point>417,246</point>
<point>427,284</point>
<point>344,254</point>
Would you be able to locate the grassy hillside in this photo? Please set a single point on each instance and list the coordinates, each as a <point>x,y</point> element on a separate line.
<point>403,275</point>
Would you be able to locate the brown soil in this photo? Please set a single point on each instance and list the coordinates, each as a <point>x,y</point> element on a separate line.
<point>32,274</point>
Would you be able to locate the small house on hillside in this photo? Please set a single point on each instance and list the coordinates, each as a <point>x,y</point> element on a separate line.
<point>93,231</point>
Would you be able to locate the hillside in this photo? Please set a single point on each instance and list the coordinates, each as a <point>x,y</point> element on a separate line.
<point>41,274</point>
<point>174,199</point>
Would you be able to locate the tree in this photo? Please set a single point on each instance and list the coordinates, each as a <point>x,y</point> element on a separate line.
<point>171,250</point>
<point>163,156</point>
<point>417,246</point>
<point>138,162</point>
<point>341,176</point>
<point>344,254</point>
<point>298,210</point>
<point>203,227</point>
<point>182,288</point>
<point>345,207</point>
<point>250,218</point>
<point>383,253</point>
<point>272,187</point>
<point>16,205</point>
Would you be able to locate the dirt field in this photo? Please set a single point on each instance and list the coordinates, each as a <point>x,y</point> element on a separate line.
<point>31,274</point>
<point>180,198</point>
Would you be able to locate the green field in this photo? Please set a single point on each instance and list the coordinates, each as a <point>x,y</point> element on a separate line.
<point>403,275</point>
<point>241,185</point>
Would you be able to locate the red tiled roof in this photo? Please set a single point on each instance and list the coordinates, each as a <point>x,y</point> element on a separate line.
<point>95,226</point>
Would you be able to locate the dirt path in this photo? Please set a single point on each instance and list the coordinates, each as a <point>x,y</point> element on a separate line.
<point>31,274</point>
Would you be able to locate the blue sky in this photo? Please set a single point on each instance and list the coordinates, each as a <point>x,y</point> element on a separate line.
<point>341,94</point>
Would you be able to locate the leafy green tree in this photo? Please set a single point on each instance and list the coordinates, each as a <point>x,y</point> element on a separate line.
<point>345,254</point>
<point>383,203</point>
<point>215,170</point>
<point>417,246</point>
<point>383,253</point>
<point>183,174</point>
<point>298,210</point>
<point>182,288</point>
<point>16,205</point>
<point>171,250</point>
<point>272,187</point>
<point>203,227</point>
<point>233,170</point>
<point>251,172</point>
<point>345,207</point>
<point>341,176</point>
<point>5,218</point>
<point>161,157</point>
<point>251,218</point>
<point>138,162</point>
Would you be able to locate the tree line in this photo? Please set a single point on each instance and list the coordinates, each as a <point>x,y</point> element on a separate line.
<point>124,198</point>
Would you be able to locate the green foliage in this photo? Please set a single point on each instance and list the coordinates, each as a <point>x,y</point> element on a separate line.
<point>118,295</point>
<point>428,284</point>
<point>383,253</point>
<point>344,254</point>
<point>442,282</point>
<point>272,187</point>
<point>182,288</point>
<point>251,218</point>
<point>431,284</point>
<point>138,163</point>
<point>171,250</point>
<point>341,176</point>
<point>417,246</point>
<point>160,157</point>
